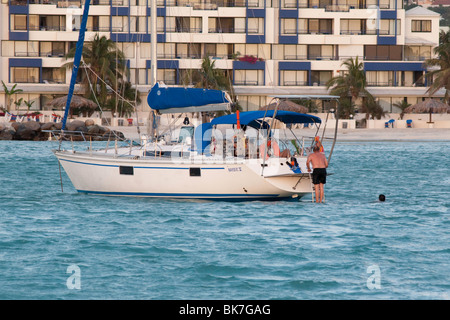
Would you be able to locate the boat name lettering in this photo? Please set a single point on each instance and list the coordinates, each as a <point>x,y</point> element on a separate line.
<point>234,169</point>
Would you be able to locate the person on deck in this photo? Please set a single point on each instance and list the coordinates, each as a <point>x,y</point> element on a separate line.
<point>319,175</point>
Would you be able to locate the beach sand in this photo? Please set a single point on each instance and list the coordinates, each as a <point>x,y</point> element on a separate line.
<point>404,134</point>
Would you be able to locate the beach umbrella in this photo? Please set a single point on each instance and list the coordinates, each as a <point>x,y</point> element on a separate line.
<point>77,102</point>
<point>286,105</point>
<point>429,106</point>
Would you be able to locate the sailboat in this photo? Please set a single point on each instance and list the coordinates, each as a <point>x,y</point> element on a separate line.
<point>238,156</point>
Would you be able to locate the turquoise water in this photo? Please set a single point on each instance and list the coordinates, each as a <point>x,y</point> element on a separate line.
<point>135,248</point>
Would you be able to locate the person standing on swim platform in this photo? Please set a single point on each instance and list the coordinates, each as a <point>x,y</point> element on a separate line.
<point>319,176</point>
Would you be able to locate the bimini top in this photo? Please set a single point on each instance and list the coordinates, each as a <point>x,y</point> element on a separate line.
<point>249,117</point>
<point>178,100</point>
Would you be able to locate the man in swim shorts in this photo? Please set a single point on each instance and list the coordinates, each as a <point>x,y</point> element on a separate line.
<point>319,175</point>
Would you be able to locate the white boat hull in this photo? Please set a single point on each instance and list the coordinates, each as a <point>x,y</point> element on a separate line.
<point>237,179</point>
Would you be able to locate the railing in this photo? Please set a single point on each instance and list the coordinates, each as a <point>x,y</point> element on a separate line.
<point>337,8</point>
<point>99,29</point>
<point>47,28</point>
<point>318,83</point>
<point>54,80</point>
<point>294,83</point>
<point>380,84</point>
<point>341,7</point>
<point>393,84</point>
<point>287,31</point>
<point>295,57</point>
<point>183,30</point>
<point>26,80</point>
<point>322,57</point>
<point>52,54</point>
<point>316,31</point>
<point>254,31</point>
<point>68,4</point>
<point>417,58</point>
<point>188,56</point>
<point>247,83</point>
<point>226,30</point>
<point>209,5</point>
<point>359,32</point>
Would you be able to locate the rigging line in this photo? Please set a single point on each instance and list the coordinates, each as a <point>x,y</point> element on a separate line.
<point>95,96</point>
<point>60,176</point>
<point>125,100</point>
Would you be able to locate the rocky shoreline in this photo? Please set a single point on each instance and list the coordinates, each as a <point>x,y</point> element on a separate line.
<point>38,131</point>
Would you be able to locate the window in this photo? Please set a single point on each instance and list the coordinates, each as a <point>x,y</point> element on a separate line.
<point>29,97</point>
<point>315,26</point>
<point>320,52</point>
<point>320,78</point>
<point>164,50</point>
<point>170,27</point>
<point>250,103</point>
<point>49,49</point>
<point>387,27</point>
<point>288,26</point>
<point>53,75</point>
<point>119,24</point>
<point>18,22</point>
<point>168,76</point>
<point>127,49</point>
<point>421,26</point>
<point>380,78</point>
<point>24,75</point>
<point>417,53</point>
<point>290,52</point>
<point>255,26</point>
<point>294,77</point>
<point>375,52</point>
<point>249,77</point>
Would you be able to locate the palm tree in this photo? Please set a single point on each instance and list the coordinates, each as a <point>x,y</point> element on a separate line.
<point>9,93</point>
<point>127,105</point>
<point>372,108</point>
<point>104,61</point>
<point>402,106</point>
<point>212,78</point>
<point>350,85</point>
<point>440,77</point>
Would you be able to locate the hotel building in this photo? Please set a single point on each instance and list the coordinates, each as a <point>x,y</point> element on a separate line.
<point>300,44</point>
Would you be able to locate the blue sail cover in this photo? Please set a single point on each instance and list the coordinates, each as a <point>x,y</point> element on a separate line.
<point>76,61</point>
<point>178,100</point>
<point>248,118</point>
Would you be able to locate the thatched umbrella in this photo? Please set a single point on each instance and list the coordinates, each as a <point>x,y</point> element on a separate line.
<point>286,105</point>
<point>429,106</point>
<point>77,102</point>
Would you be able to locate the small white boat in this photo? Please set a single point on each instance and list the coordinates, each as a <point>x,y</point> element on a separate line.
<point>212,167</point>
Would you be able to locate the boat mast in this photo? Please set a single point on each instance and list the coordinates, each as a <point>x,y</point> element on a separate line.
<point>76,62</point>
<point>153,63</point>
<point>153,39</point>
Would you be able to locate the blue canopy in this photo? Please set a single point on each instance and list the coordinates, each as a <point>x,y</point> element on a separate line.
<point>248,118</point>
<point>178,100</point>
